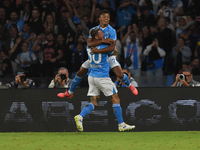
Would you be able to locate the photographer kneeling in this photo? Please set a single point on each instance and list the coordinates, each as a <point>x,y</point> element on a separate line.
<point>61,79</point>
<point>21,81</point>
<point>185,79</point>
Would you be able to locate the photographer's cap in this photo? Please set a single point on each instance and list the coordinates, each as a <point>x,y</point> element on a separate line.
<point>19,71</point>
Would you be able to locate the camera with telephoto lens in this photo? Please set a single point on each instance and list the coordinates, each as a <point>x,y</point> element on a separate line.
<point>62,76</point>
<point>22,78</point>
<point>182,77</point>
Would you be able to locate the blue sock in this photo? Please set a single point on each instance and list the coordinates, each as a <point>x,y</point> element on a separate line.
<point>125,80</point>
<point>118,112</point>
<point>76,81</point>
<point>124,85</point>
<point>87,109</point>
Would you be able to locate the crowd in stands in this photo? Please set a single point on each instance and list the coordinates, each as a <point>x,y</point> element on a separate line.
<point>158,36</point>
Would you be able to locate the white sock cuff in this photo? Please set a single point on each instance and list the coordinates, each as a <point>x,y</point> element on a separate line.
<point>70,93</point>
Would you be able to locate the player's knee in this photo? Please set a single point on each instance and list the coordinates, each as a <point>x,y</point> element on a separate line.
<point>80,73</point>
<point>118,72</point>
<point>95,103</point>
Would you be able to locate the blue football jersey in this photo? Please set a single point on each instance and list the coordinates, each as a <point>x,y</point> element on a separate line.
<point>99,66</point>
<point>109,32</point>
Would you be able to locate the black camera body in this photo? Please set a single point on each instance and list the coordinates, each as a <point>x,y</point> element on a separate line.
<point>62,76</point>
<point>23,78</point>
<point>182,77</point>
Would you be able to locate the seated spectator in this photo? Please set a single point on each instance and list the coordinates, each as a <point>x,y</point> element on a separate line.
<point>27,60</point>
<point>78,57</point>
<point>83,9</point>
<point>171,27</point>
<point>155,55</point>
<point>21,81</point>
<point>180,28</point>
<point>47,6</point>
<point>153,31</point>
<point>194,28</point>
<point>61,79</point>
<point>40,41</point>
<point>106,4</point>
<point>82,39</point>
<point>155,3</point>
<point>167,43</point>
<point>94,19</point>
<point>6,67</point>
<point>15,20</point>
<point>26,30</point>
<point>197,48</point>
<point>185,65</point>
<point>166,11</point>
<point>190,32</point>
<point>36,22</point>
<point>65,24</point>
<point>77,10</point>
<point>8,6</point>
<point>12,41</point>
<point>2,16</point>
<point>180,53</point>
<point>31,40</point>
<point>119,83</point>
<point>185,79</point>
<point>194,65</point>
<point>80,27</point>
<point>125,12</point>
<point>67,58</point>
<point>25,13</point>
<point>51,55</point>
<point>132,51</point>
<point>87,21</point>
<point>178,7</point>
<point>50,24</point>
<point>146,40</point>
<point>144,18</point>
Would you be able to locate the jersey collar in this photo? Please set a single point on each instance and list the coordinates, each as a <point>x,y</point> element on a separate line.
<point>104,28</point>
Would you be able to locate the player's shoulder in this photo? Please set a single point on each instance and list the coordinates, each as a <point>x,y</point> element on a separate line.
<point>93,27</point>
<point>111,28</point>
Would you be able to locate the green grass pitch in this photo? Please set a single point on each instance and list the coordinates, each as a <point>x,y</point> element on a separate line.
<point>176,140</point>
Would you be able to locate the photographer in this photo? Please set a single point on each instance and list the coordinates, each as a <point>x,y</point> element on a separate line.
<point>185,79</point>
<point>61,79</point>
<point>21,81</point>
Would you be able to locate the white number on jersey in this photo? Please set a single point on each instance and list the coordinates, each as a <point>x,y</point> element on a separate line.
<point>92,56</point>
